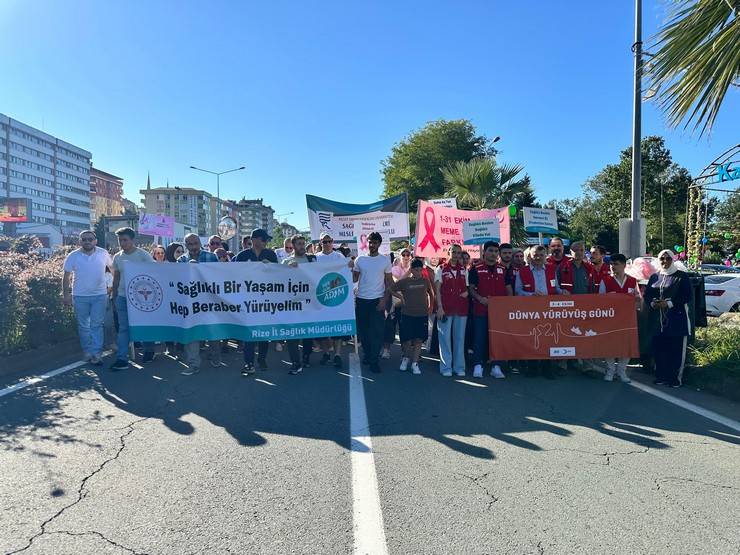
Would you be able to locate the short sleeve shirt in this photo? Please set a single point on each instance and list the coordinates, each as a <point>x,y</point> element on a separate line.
<point>120,261</point>
<point>331,257</point>
<point>372,270</point>
<point>415,296</point>
<point>89,271</point>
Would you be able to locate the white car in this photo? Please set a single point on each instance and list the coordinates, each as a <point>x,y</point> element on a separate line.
<point>722,293</point>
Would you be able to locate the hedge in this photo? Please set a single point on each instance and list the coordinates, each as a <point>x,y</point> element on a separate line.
<point>33,313</point>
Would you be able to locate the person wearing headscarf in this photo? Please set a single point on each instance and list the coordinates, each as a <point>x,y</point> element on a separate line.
<point>667,295</point>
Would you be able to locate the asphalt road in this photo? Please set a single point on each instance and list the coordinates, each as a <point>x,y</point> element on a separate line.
<point>149,461</point>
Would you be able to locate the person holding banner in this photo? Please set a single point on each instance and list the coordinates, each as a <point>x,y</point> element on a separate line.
<point>373,274</point>
<point>667,295</point>
<point>417,296</point>
<point>129,253</point>
<point>487,279</point>
<point>328,254</point>
<point>451,283</point>
<point>197,255</point>
<point>619,282</point>
<point>575,275</point>
<point>299,256</point>
<point>601,268</point>
<point>538,279</point>
<point>258,252</point>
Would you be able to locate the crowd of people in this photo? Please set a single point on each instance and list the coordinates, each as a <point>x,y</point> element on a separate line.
<point>440,305</point>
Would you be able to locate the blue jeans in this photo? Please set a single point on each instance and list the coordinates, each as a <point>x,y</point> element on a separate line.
<point>122,340</point>
<point>452,336</point>
<point>90,312</point>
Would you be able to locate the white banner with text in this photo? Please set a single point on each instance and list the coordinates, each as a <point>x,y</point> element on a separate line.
<point>251,301</point>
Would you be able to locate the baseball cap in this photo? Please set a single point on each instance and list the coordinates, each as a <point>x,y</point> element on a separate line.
<point>260,233</point>
<point>325,236</point>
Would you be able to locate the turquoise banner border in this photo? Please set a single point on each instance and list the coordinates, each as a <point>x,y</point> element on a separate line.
<point>267,332</point>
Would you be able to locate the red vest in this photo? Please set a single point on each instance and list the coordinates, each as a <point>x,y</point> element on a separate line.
<point>527,277</point>
<point>491,283</point>
<point>451,288</point>
<point>600,274</point>
<point>629,287</point>
<point>566,275</point>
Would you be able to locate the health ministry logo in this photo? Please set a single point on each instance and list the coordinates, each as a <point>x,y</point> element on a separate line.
<point>144,293</point>
<point>332,289</point>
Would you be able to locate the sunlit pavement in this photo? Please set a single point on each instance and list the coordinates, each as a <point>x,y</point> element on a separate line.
<point>149,461</point>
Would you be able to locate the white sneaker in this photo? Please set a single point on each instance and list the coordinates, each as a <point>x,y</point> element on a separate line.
<point>460,373</point>
<point>190,371</point>
<point>386,354</point>
<point>496,372</point>
<point>447,374</point>
<point>609,376</point>
<point>623,375</point>
<point>478,371</point>
<point>279,346</point>
<point>415,370</point>
<point>404,364</point>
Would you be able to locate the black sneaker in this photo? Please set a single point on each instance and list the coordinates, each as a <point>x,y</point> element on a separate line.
<point>148,357</point>
<point>325,358</point>
<point>659,382</point>
<point>295,368</point>
<point>375,368</point>
<point>119,365</point>
<point>337,361</point>
<point>262,364</point>
<point>248,369</point>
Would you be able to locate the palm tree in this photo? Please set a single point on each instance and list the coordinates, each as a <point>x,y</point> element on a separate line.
<point>481,183</point>
<point>697,60</point>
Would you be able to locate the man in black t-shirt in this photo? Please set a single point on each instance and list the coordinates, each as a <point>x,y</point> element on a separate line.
<point>258,253</point>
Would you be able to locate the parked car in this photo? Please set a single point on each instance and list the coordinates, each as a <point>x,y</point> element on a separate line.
<point>710,269</point>
<point>722,293</point>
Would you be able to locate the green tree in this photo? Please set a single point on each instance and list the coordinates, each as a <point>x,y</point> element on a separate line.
<point>415,163</point>
<point>100,231</point>
<point>697,60</point>
<point>608,196</point>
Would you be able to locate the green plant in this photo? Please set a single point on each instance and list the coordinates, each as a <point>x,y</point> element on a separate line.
<point>718,346</point>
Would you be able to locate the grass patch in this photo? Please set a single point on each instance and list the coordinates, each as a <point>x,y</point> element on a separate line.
<point>715,358</point>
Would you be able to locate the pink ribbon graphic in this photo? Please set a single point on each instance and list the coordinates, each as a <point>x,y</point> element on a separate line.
<point>429,229</point>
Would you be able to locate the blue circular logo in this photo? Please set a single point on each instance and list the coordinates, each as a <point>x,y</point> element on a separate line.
<point>332,289</point>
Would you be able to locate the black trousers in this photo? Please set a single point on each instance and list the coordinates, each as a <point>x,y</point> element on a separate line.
<point>670,356</point>
<point>370,324</point>
<point>295,356</point>
<point>249,349</point>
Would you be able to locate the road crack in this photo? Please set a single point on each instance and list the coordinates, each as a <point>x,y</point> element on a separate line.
<point>477,482</point>
<point>659,481</point>
<point>82,490</point>
<point>98,535</point>
<point>607,454</point>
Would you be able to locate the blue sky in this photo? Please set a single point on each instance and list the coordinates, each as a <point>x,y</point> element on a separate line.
<point>311,96</point>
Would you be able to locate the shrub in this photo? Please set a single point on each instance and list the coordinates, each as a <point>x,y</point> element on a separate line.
<point>33,313</point>
<point>718,346</point>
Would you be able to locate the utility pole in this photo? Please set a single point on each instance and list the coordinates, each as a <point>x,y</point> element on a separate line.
<point>636,246</point>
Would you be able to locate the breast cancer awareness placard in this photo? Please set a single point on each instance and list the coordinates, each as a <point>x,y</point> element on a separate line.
<point>438,227</point>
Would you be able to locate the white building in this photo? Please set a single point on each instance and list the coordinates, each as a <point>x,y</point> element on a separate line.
<point>252,214</point>
<point>54,174</point>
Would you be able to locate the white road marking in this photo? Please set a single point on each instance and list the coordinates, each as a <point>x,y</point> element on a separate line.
<point>37,379</point>
<point>696,409</point>
<point>264,381</point>
<point>474,384</point>
<point>367,514</point>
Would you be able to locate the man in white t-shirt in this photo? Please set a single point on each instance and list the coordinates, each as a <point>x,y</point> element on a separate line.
<point>285,251</point>
<point>89,293</point>
<point>328,254</point>
<point>373,274</point>
<point>129,253</point>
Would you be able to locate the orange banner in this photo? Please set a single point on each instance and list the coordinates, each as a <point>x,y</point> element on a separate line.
<point>562,326</point>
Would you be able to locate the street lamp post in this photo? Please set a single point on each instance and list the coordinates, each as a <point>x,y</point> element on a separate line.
<point>635,243</point>
<point>218,177</point>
